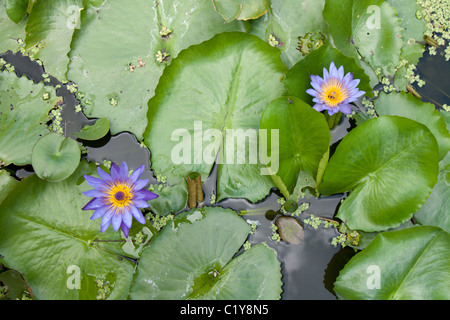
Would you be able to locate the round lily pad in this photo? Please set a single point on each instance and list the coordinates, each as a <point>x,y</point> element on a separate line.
<point>194,258</point>
<point>54,157</point>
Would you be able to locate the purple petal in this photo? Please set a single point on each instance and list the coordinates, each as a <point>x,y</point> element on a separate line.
<point>125,229</point>
<point>127,218</point>
<point>93,193</point>
<point>103,175</point>
<point>99,212</point>
<point>123,171</point>
<point>137,173</point>
<point>140,203</point>
<point>325,74</point>
<point>140,184</point>
<point>94,182</point>
<point>354,83</point>
<point>312,92</point>
<point>333,71</point>
<point>332,111</point>
<point>340,72</point>
<point>316,79</point>
<point>106,220</point>
<point>116,221</point>
<point>319,107</point>
<point>94,204</point>
<point>347,79</point>
<point>145,195</point>
<point>317,86</point>
<point>137,214</point>
<point>114,171</point>
<point>345,108</point>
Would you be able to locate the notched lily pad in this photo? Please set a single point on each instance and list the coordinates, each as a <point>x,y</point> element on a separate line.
<point>194,258</point>
<point>54,157</point>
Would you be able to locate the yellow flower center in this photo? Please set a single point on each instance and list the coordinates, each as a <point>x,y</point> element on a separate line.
<point>333,93</point>
<point>119,195</point>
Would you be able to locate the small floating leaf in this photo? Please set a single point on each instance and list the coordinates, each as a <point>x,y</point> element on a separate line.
<point>54,157</point>
<point>94,132</point>
<point>290,230</point>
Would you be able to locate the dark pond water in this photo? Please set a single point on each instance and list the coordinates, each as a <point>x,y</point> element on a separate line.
<point>309,269</point>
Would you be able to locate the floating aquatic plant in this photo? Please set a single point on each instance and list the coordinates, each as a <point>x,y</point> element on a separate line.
<point>335,91</point>
<point>118,197</point>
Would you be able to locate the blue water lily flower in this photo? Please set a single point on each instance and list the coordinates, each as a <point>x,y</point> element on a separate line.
<point>118,197</point>
<point>335,91</point>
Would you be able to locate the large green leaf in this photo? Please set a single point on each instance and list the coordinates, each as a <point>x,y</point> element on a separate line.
<point>23,116</point>
<point>11,32</point>
<point>408,264</point>
<point>7,184</point>
<point>289,21</point>
<point>390,165</point>
<point>304,138</point>
<point>190,259</point>
<point>51,24</point>
<point>16,9</point>
<point>413,32</point>
<point>370,28</point>
<point>408,106</point>
<point>46,235</point>
<point>436,211</point>
<point>212,94</point>
<point>298,78</point>
<point>113,54</point>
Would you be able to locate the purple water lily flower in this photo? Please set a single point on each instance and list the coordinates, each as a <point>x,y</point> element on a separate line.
<point>335,91</point>
<point>118,197</point>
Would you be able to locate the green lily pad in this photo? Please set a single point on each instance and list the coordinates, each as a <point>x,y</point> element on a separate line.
<point>94,132</point>
<point>401,265</point>
<point>303,139</point>
<point>11,31</point>
<point>7,184</point>
<point>16,9</point>
<point>366,28</point>
<point>436,210</point>
<point>51,24</point>
<point>23,116</point>
<point>192,259</point>
<point>171,199</point>
<point>413,32</point>
<point>55,157</point>
<point>241,10</point>
<point>389,180</point>
<point>408,106</point>
<point>46,235</point>
<point>109,53</point>
<point>214,94</point>
<point>287,22</point>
